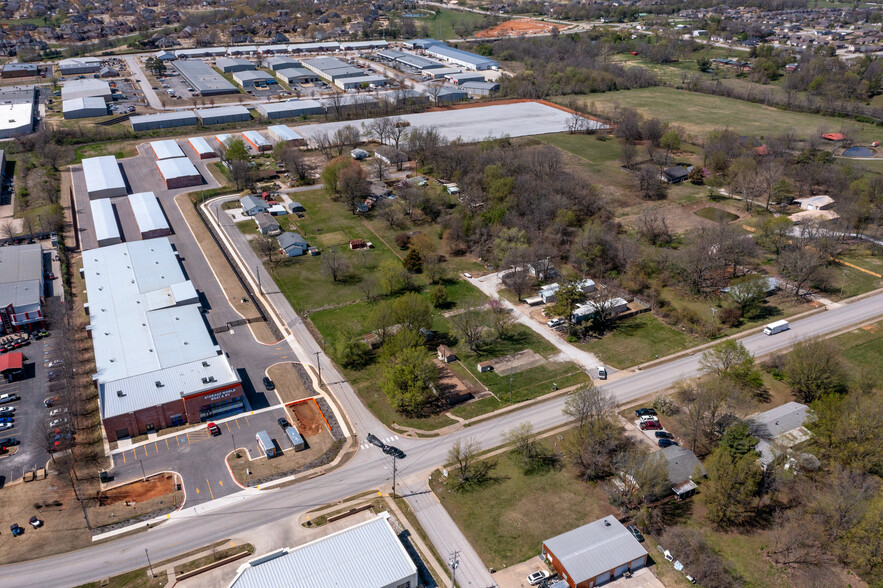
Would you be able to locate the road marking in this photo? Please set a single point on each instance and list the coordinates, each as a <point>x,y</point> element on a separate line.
<point>210,489</point>
<point>221,482</point>
<point>178,439</point>
<point>197,490</point>
<point>124,456</point>
<point>134,454</point>
<point>167,443</point>
<point>246,421</point>
<point>238,426</point>
<point>155,446</point>
<point>284,357</point>
<point>228,426</point>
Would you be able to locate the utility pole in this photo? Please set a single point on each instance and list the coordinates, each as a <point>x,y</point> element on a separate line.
<point>393,477</point>
<point>257,271</point>
<point>510,388</point>
<point>454,562</point>
<point>713,312</point>
<point>319,367</point>
<point>149,565</point>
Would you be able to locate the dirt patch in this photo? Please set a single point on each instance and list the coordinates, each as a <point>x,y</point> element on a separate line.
<point>518,26</point>
<point>139,491</point>
<point>681,219</point>
<point>309,420</point>
<point>289,383</point>
<point>870,328</point>
<point>517,362</point>
<point>454,390</point>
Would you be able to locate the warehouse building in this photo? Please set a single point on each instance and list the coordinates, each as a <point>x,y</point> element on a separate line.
<point>283,134</point>
<point>439,73</point>
<point>223,140</point>
<point>21,288</point>
<point>451,95</point>
<point>163,120</point>
<point>230,65</point>
<point>362,45</point>
<point>156,362</point>
<point>104,177</point>
<point>252,78</point>
<point>297,75</point>
<point>361,82</point>
<point>595,553</point>
<point>88,107</point>
<point>462,58</point>
<point>202,78</point>
<point>290,109</point>
<point>19,70</point>
<point>86,88</point>
<point>78,65</point>
<point>107,231</point>
<point>179,172</point>
<point>223,114</point>
<point>313,47</point>
<point>421,43</point>
<point>148,213</point>
<point>166,149</point>
<point>202,148</point>
<point>479,88</point>
<point>257,140</point>
<point>409,62</point>
<point>282,62</point>
<point>201,52</point>
<point>331,68</point>
<point>16,119</point>
<point>367,555</point>
<point>459,78</point>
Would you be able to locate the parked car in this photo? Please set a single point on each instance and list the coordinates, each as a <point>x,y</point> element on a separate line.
<point>214,429</point>
<point>650,425</point>
<point>648,418</point>
<point>56,422</point>
<point>6,419</point>
<point>56,363</point>
<point>645,412</point>
<point>666,442</point>
<point>557,322</point>
<point>537,577</point>
<point>5,426</point>
<point>636,533</point>
<point>268,384</point>
<point>375,441</point>
<point>8,442</point>
<point>16,530</point>
<point>283,422</point>
<point>57,411</point>
<point>50,401</point>
<point>35,522</point>
<point>664,435</point>
<point>602,373</point>
<point>7,410</point>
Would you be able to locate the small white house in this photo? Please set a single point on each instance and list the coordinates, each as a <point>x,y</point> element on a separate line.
<point>815,202</point>
<point>252,205</point>
<point>292,244</point>
<point>548,293</point>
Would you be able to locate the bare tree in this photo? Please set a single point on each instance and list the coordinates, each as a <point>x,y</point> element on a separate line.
<point>295,162</point>
<point>268,247</point>
<point>398,130</point>
<point>324,144</point>
<point>380,168</point>
<point>588,404</point>
<point>8,229</point>
<point>653,227</point>
<point>335,265</point>
<point>370,287</point>
<point>471,324</point>
<point>386,210</point>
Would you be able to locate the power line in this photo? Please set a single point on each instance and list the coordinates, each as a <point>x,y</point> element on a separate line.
<point>454,562</point>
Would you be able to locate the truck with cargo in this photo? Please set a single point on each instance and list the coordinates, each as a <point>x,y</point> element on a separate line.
<point>776,327</point>
<point>266,444</point>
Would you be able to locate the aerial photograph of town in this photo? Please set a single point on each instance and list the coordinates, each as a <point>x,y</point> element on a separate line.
<point>436,294</point>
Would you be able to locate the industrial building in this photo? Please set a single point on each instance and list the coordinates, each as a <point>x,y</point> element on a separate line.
<point>104,178</point>
<point>223,140</point>
<point>331,68</point>
<point>202,78</point>
<point>251,78</point>
<point>163,120</point>
<point>282,62</point>
<point>440,72</point>
<point>290,109</point>
<point>361,45</point>
<point>21,288</point>
<point>86,88</point>
<point>202,148</point>
<point>156,362</point>
<point>479,88</point>
<point>451,95</point>
<point>166,149</point>
<point>420,43</point>
<point>179,172</point>
<point>148,213</point>
<point>459,78</point>
<point>230,65</point>
<point>360,82</point>
<point>409,62</point>
<point>88,107</point>
<point>282,134</point>
<point>460,57</point>
<point>16,119</point>
<point>19,70</point>
<point>107,231</point>
<point>257,140</point>
<point>297,75</point>
<point>367,555</point>
<point>78,65</point>
<point>595,553</point>
<point>223,114</point>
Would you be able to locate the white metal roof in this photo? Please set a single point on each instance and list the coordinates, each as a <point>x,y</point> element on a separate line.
<point>104,219</point>
<point>148,213</point>
<point>255,138</point>
<point>85,87</point>
<point>177,167</point>
<point>284,133</point>
<point>21,275</point>
<point>367,555</point>
<point>103,173</point>
<point>200,145</point>
<point>166,149</point>
<point>595,548</point>
<point>84,103</point>
<point>224,138</point>
<point>221,111</point>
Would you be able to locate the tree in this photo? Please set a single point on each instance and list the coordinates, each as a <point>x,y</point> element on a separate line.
<point>408,379</point>
<point>9,229</point>
<point>383,319</point>
<point>814,369</point>
<point>590,405</point>
<point>628,153</point>
<point>235,150</point>
<point>393,277</point>
<point>500,318</point>
<point>738,440</point>
<point>649,185</point>
<point>518,278</point>
<point>703,63</point>
<point>335,265</point>
<point>653,227</point>
<point>471,325</point>
<point>350,349</point>
<point>670,141</point>
<point>242,173</point>
<point>412,311</point>
<point>433,269</point>
<point>471,471</point>
<point>438,296</point>
<point>352,185</point>
<point>706,565</point>
<point>703,405</point>
<point>802,265</point>
<point>413,262</point>
<point>748,293</point>
<point>569,295</point>
<point>268,247</point>
<point>295,162</point>
<point>774,233</point>
<point>730,360</point>
<point>532,455</point>
<point>643,477</point>
<point>369,286</point>
<point>331,175</point>
<point>730,491</point>
<point>380,168</point>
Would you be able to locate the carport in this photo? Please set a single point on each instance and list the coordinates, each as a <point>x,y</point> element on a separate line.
<point>11,365</point>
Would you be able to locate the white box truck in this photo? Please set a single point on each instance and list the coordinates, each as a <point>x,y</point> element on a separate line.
<point>266,444</point>
<point>776,327</point>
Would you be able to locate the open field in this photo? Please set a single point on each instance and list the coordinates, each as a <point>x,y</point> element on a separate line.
<point>441,22</point>
<point>862,348</point>
<point>700,114</point>
<point>637,340</point>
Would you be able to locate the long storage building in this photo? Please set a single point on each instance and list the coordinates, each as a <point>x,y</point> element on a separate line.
<point>202,78</point>
<point>223,114</point>
<point>297,75</point>
<point>283,134</point>
<point>166,149</point>
<point>202,148</point>
<point>85,107</point>
<point>86,88</point>
<point>257,140</point>
<point>163,120</point>
<point>233,64</point>
<point>290,109</point>
<point>251,78</point>
<point>107,232</point>
<point>282,62</point>
<point>179,172</point>
<point>104,179</point>
<point>148,213</point>
<point>21,288</point>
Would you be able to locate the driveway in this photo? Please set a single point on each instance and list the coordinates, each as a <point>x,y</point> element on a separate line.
<point>139,75</point>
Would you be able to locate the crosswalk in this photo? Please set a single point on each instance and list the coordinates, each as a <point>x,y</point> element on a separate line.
<point>388,440</point>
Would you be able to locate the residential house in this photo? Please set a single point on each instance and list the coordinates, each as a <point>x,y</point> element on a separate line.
<point>779,429</point>
<point>292,244</point>
<point>682,465</point>
<point>676,174</point>
<point>252,205</point>
<point>266,224</point>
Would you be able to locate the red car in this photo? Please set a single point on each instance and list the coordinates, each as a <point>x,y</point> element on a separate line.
<point>214,429</point>
<point>651,426</point>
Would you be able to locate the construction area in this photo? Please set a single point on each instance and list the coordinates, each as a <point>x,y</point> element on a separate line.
<point>518,27</point>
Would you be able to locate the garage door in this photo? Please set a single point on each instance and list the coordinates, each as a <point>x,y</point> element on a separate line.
<point>605,577</point>
<point>620,570</point>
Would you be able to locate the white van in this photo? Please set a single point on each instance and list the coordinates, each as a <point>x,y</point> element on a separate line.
<point>776,327</point>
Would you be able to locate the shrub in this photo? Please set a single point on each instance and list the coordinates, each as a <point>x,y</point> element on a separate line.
<point>403,240</point>
<point>665,405</point>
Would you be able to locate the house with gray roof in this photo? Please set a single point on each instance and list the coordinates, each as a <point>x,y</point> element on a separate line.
<point>292,244</point>
<point>682,465</point>
<point>779,429</point>
<point>252,205</point>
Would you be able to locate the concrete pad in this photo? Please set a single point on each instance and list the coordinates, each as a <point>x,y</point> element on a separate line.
<point>643,578</point>
<point>516,576</point>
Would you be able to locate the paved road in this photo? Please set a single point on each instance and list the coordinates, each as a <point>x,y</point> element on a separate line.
<point>368,470</point>
<point>139,75</point>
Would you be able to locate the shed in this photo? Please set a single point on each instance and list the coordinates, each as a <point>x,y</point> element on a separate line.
<point>257,140</point>
<point>822,202</point>
<point>548,293</point>
<point>266,224</point>
<point>296,207</point>
<point>479,88</point>
<point>445,355</point>
<point>202,148</point>
<point>166,149</point>
<point>179,172</point>
<point>451,95</point>
<point>148,213</point>
<point>292,244</point>
<point>485,366</point>
<point>104,178</point>
<point>252,205</point>
<point>594,553</point>
<point>107,232</point>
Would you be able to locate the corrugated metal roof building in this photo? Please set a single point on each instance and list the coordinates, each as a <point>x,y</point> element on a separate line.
<point>179,172</point>
<point>104,178</point>
<point>277,63</point>
<point>367,555</point>
<point>594,553</point>
<point>297,75</point>
<point>282,133</point>
<point>223,114</point>
<point>148,213</point>
<point>85,107</point>
<point>230,65</point>
<point>107,232</point>
<point>290,109</point>
<point>202,148</point>
<point>460,57</point>
<point>21,287</point>
<point>156,362</point>
<point>86,88</point>
<point>249,78</point>
<point>203,78</point>
<point>257,140</point>
<point>166,149</point>
<point>163,120</point>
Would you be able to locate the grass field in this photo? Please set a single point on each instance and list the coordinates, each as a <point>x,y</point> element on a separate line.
<point>637,340</point>
<point>441,24</point>
<point>700,114</point>
<point>863,347</point>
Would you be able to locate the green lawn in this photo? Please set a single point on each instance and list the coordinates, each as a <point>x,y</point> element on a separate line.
<point>97,149</point>
<point>700,114</point>
<point>853,281</point>
<point>637,340</point>
<point>506,521</point>
<point>863,347</point>
<point>441,24</point>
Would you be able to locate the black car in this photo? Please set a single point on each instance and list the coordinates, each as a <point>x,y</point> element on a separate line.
<point>8,442</point>
<point>636,533</point>
<point>666,442</point>
<point>645,412</point>
<point>394,451</point>
<point>375,441</point>
<point>268,384</point>
<point>283,423</point>
<point>664,435</point>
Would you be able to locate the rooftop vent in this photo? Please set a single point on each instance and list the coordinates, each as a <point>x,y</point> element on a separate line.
<point>120,393</point>
<point>205,364</point>
<point>158,384</point>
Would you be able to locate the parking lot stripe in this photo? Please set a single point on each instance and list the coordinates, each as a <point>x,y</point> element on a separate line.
<point>246,421</point>
<point>134,454</point>
<point>228,426</point>
<point>167,443</point>
<point>177,438</point>
<point>124,456</point>
<point>155,446</point>
<point>237,424</point>
<point>210,489</point>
